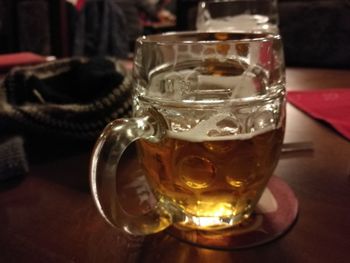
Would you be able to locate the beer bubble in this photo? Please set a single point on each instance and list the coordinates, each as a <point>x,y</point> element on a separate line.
<point>218,146</point>
<point>196,172</point>
<point>262,119</point>
<point>234,182</point>
<point>224,127</point>
<point>228,126</point>
<point>242,173</point>
<point>241,178</point>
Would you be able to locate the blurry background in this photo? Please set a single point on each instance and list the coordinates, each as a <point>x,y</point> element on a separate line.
<point>315,33</point>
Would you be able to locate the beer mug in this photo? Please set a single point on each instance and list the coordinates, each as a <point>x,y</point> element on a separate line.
<point>208,125</point>
<point>234,15</point>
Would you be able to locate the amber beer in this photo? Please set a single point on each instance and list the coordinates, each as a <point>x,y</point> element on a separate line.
<point>208,121</point>
<point>213,182</point>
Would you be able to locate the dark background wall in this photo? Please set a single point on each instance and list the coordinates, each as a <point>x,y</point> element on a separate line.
<point>33,25</point>
<point>315,33</point>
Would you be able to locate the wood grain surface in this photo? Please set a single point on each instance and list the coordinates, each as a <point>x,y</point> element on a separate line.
<point>49,215</point>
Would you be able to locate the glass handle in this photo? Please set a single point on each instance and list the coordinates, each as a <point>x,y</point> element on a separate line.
<point>118,195</point>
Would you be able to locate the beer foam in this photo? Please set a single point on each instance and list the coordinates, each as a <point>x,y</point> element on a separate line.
<point>200,132</point>
<point>243,22</point>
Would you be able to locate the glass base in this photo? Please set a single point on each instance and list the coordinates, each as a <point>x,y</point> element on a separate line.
<point>274,215</point>
<point>210,223</point>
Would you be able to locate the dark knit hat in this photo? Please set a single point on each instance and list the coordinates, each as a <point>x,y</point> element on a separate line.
<point>74,98</point>
<point>13,160</point>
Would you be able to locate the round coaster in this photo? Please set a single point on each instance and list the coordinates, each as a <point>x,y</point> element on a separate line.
<point>274,215</point>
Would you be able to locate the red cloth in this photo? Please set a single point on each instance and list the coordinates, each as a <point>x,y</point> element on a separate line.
<point>80,4</point>
<point>7,61</point>
<point>330,105</point>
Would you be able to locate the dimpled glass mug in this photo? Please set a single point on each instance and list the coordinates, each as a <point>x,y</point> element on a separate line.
<point>209,118</point>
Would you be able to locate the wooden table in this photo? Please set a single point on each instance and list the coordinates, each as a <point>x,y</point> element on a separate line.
<point>49,215</point>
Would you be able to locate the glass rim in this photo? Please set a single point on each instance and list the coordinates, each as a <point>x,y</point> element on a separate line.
<point>201,37</point>
<point>216,103</point>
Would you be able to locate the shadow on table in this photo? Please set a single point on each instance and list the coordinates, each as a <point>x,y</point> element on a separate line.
<point>164,248</point>
<point>62,161</point>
